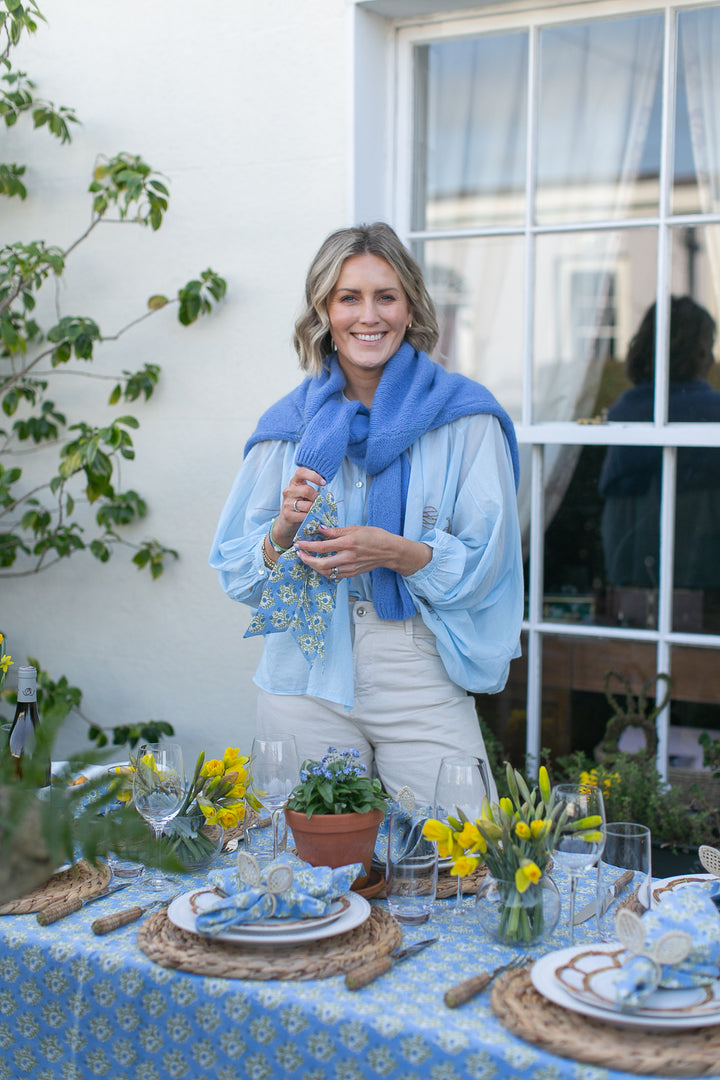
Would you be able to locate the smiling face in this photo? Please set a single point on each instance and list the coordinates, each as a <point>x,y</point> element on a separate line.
<point>369,314</point>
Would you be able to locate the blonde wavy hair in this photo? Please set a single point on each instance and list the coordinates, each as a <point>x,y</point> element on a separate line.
<point>312,338</point>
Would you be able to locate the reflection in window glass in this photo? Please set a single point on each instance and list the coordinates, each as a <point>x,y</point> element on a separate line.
<point>592,290</point>
<point>477,289</point>
<point>575,710</point>
<point>470,131</point>
<point>696,186</point>
<point>695,275</point>
<point>693,702</point>
<point>599,119</point>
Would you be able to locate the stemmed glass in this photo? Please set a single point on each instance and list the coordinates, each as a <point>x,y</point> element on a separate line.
<point>158,791</point>
<point>579,834</point>
<point>462,785</point>
<point>274,772</point>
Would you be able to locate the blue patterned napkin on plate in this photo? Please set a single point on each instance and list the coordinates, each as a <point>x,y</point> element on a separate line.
<point>312,892</point>
<point>688,914</point>
<point>296,597</point>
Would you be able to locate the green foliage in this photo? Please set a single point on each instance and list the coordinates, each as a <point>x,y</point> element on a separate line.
<point>65,820</point>
<point>48,522</point>
<point>633,790</point>
<point>78,506</point>
<point>57,699</point>
<point>336,785</point>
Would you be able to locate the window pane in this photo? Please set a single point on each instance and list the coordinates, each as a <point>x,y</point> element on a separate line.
<point>575,709</point>
<point>697,120</point>
<point>591,291</point>
<point>599,119</point>
<point>477,286</point>
<point>694,697</point>
<point>470,132</point>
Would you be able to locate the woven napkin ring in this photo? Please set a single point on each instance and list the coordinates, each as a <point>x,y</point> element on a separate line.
<point>278,880</point>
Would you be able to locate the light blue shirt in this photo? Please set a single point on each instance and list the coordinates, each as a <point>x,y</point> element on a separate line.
<point>461,502</point>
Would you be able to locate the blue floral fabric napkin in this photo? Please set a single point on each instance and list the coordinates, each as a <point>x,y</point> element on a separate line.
<point>312,892</point>
<point>297,598</point>
<point>690,910</point>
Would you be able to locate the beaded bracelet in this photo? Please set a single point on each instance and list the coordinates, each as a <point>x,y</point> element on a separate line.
<point>266,558</point>
<point>276,547</point>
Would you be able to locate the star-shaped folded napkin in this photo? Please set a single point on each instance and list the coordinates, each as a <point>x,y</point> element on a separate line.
<point>296,597</point>
<point>286,888</point>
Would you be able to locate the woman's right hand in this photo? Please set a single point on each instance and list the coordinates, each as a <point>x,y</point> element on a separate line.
<point>297,498</point>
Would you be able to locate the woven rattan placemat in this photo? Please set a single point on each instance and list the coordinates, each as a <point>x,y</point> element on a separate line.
<point>171,947</point>
<point>79,881</point>
<point>531,1017</point>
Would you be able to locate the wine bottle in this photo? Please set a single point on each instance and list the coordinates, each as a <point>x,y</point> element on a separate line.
<point>21,741</point>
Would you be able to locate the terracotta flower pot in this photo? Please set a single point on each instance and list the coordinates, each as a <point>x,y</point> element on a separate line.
<point>336,839</point>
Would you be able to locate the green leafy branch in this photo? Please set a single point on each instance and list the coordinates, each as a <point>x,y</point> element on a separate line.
<point>58,699</point>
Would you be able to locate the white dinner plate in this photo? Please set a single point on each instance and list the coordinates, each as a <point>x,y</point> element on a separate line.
<point>580,978</point>
<point>671,884</point>
<point>354,913</point>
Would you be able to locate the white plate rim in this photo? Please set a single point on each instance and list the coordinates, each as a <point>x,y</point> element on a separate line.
<point>665,883</point>
<point>357,912</point>
<point>542,975</point>
<point>295,926</point>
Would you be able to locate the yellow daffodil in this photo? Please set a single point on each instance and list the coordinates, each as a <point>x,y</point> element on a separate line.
<point>148,760</point>
<point>507,807</point>
<point>229,816</point>
<point>463,866</point>
<point>213,767</point>
<point>442,835</point>
<point>544,784</point>
<point>539,826</point>
<point>591,837</point>
<point>5,662</point>
<point>471,839</point>
<point>526,874</point>
<point>522,829</point>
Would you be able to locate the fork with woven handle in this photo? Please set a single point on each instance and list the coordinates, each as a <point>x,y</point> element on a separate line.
<point>462,992</point>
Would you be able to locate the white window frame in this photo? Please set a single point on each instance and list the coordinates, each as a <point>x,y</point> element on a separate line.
<point>381,42</point>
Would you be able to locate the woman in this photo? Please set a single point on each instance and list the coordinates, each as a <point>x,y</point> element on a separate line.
<point>422,467</point>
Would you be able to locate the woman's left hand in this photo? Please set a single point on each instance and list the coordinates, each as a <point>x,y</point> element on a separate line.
<point>358,549</point>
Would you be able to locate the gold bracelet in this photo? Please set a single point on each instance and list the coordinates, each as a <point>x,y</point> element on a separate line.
<point>266,558</point>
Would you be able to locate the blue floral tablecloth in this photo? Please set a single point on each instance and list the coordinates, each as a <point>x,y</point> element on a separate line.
<point>74,1006</point>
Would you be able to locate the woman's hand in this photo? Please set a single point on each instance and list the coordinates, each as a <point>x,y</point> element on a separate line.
<point>297,498</point>
<point>357,549</point>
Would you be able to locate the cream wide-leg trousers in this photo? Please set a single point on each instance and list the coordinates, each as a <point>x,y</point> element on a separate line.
<point>408,714</point>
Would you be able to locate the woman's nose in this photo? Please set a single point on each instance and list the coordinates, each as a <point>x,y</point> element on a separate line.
<point>369,312</point>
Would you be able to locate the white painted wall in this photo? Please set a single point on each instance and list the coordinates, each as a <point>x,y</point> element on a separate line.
<point>243,106</point>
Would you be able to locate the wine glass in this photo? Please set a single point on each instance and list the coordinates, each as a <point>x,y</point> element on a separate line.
<point>158,791</point>
<point>274,772</point>
<point>462,785</point>
<point>579,834</point>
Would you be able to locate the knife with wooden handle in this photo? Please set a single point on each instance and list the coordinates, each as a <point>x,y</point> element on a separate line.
<point>464,991</point>
<point>365,973</point>
<point>615,889</point>
<point>54,912</point>
<point>106,923</point>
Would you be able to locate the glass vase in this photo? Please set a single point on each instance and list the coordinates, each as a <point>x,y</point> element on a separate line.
<point>198,852</point>
<point>515,918</point>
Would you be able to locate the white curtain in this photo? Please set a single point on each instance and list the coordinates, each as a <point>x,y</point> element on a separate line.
<point>699,41</point>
